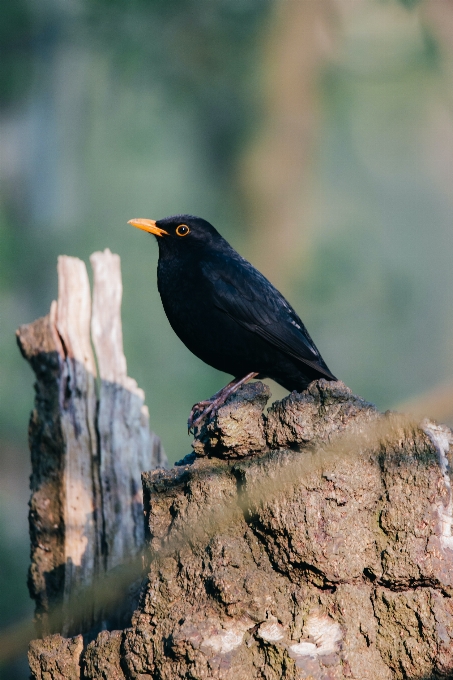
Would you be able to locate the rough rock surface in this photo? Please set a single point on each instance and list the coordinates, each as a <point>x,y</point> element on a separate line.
<point>55,657</point>
<point>323,551</point>
<point>237,429</point>
<point>102,657</point>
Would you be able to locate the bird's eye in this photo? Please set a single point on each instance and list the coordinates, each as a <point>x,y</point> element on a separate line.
<point>182,230</point>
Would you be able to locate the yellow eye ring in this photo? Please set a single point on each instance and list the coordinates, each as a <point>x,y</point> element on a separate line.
<point>182,230</point>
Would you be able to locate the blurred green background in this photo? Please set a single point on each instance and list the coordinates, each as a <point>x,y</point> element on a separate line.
<point>316,135</point>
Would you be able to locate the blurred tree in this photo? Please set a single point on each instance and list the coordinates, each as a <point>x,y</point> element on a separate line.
<point>277,168</point>
<point>382,236</point>
<point>200,52</point>
<point>16,49</point>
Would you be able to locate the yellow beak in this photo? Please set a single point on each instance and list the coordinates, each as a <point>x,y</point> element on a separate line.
<point>149,226</point>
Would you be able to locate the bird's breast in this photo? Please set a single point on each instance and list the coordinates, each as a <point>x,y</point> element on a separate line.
<point>206,331</point>
<point>185,298</point>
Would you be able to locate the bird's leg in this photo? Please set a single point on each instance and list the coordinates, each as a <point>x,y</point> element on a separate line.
<point>216,401</point>
<point>201,405</point>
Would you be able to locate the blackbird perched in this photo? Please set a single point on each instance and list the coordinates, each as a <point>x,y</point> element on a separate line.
<point>227,313</point>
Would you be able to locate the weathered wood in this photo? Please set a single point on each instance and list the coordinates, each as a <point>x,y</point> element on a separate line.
<point>82,525</point>
<point>86,512</point>
<point>64,533</point>
<point>127,447</point>
<point>41,346</point>
<point>55,658</point>
<point>326,552</point>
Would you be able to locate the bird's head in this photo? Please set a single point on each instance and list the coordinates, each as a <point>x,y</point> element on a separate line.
<point>180,233</point>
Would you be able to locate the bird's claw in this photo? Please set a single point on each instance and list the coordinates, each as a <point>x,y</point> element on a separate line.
<point>216,401</point>
<point>193,420</point>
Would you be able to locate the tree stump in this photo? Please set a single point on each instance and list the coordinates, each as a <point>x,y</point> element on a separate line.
<point>89,440</point>
<point>313,541</point>
<point>326,553</point>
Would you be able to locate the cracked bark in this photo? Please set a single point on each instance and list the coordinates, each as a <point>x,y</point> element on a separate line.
<point>322,550</point>
<point>87,450</point>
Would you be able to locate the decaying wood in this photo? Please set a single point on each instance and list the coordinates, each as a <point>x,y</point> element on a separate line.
<point>127,447</point>
<point>86,513</point>
<point>312,542</point>
<point>80,492</point>
<point>56,657</point>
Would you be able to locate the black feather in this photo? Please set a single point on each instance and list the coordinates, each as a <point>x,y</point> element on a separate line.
<point>228,313</point>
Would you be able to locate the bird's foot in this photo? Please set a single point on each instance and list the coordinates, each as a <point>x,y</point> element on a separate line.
<point>215,402</point>
<point>196,408</point>
<point>206,407</point>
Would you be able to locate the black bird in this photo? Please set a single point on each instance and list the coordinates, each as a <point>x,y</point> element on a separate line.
<point>227,313</point>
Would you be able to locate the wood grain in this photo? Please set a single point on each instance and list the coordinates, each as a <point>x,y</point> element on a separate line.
<point>88,451</point>
<point>127,447</point>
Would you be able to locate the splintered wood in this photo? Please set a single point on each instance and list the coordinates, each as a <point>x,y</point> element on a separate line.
<point>80,491</point>
<point>88,450</point>
<point>122,419</point>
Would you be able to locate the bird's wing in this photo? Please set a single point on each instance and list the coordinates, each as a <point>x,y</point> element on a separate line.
<point>243,293</point>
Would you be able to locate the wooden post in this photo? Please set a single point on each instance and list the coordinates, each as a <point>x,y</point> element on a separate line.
<point>88,451</point>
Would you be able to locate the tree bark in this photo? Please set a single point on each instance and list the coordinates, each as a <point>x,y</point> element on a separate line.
<point>314,541</point>
<point>87,450</point>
